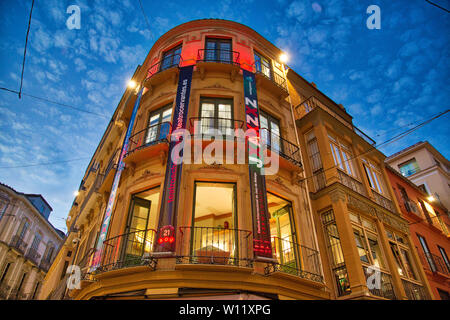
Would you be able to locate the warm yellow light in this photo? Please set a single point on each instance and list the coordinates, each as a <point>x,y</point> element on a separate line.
<point>284,58</point>
<point>431,198</point>
<point>76,193</point>
<point>132,84</point>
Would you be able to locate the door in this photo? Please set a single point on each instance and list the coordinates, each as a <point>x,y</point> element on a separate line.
<point>218,50</point>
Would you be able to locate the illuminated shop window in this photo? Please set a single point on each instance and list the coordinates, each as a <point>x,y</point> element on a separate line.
<point>214,226</point>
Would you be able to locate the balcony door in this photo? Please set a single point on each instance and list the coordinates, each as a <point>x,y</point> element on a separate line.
<point>213,235</point>
<point>263,65</point>
<point>171,58</point>
<point>270,132</point>
<point>218,50</point>
<point>282,231</point>
<point>158,127</point>
<point>216,114</point>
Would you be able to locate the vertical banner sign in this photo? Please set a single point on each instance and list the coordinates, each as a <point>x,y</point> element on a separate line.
<point>262,246</point>
<point>112,196</point>
<point>167,218</point>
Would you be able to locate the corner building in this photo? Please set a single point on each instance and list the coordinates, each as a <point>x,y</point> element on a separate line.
<point>204,228</point>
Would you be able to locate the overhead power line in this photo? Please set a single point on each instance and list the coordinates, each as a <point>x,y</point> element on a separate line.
<point>25,50</point>
<point>438,6</point>
<point>44,163</point>
<point>389,141</point>
<point>55,102</point>
<point>145,16</point>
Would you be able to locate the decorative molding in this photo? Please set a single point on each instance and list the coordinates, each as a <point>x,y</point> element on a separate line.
<point>217,85</point>
<point>146,174</point>
<point>215,166</point>
<point>337,194</point>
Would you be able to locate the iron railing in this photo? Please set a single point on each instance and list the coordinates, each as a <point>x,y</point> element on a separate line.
<point>154,134</point>
<point>295,259</point>
<point>351,182</point>
<point>214,126</point>
<point>170,61</point>
<point>319,180</point>
<point>33,256</point>
<point>434,263</point>
<point>218,55</point>
<point>18,243</point>
<point>414,291</point>
<point>410,206</point>
<point>384,288</point>
<point>128,250</point>
<point>383,201</point>
<point>283,147</point>
<point>93,189</point>
<point>214,245</point>
<point>276,78</point>
<point>112,163</point>
<point>45,265</point>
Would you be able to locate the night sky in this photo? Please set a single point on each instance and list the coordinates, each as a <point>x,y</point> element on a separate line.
<point>388,79</point>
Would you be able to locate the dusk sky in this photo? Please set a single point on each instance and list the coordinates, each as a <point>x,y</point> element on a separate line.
<point>388,79</point>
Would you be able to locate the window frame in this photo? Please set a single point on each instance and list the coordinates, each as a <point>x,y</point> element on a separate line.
<point>343,163</point>
<point>261,70</point>
<point>406,247</point>
<point>171,53</point>
<point>218,51</point>
<point>408,162</point>
<point>159,111</point>
<point>374,174</point>
<point>216,101</point>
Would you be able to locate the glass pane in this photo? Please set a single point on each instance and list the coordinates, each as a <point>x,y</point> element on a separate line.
<point>257,63</point>
<point>408,265</point>
<point>152,131</point>
<point>398,260</point>
<point>361,245</point>
<point>376,251</point>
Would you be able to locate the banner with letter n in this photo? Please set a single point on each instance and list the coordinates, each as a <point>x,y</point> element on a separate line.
<point>262,247</point>
<point>165,237</point>
<point>112,196</point>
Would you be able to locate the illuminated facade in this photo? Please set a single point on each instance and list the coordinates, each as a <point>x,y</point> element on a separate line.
<point>213,225</point>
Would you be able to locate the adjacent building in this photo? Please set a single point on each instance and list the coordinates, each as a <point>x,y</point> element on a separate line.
<point>318,227</point>
<point>28,243</point>
<point>429,227</point>
<point>427,168</point>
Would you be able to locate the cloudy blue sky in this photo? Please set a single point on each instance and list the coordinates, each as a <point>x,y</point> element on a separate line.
<point>387,79</point>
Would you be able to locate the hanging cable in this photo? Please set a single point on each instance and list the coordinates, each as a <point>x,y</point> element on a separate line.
<point>25,50</point>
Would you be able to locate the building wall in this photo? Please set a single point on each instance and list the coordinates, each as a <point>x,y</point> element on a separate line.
<point>17,252</point>
<point>435,234</point>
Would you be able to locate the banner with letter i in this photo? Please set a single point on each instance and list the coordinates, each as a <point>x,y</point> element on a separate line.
<point>112,196</point>
<point>262,247</point>
<point>165,237</point>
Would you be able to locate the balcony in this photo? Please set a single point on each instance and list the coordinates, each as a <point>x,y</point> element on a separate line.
<point>18,243</point>
<point>218,60</point>
<point>33,256</point>
<point>272,81</point>
<point>434,263</point>
<point>351,183</point>
<point>128,250</point>
<point>148,142</point>
<point>295,259</point>
<point>383,201</point>
<point>410,206</point>
<point>414,291</point>
<point>166,68</point>
<point>206,127</point>
<point>386,289</point>
<point>216,246</point>
<point>283,147</point>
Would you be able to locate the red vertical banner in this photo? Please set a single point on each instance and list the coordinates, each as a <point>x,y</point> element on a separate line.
<point>262,247</point>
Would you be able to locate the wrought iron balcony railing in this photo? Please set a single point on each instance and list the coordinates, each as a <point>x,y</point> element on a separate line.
<point>214,245</point>
<point>128,250</point>
<point>33,256</point>
<point>351,182</point>
<point>414,291</point>
<point>283,147</point>
<point>385,289</point>
<point>434,263</point>
<point>383,201</point>
<point>276,78</point>
<point>18,243</point>
<point>112,163</point>
<point>213,126</point>
<point>295,259</point>
<point>219,56</point>
<point>170,61</point>
<point>410,206</point>
<point>154,134</point>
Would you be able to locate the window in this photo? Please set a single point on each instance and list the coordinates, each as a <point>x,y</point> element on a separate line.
<point>36,288</point>
<point>49,254</point>
<point>263,65</point>
<point>218,50</point>
<point>401,253</point>
<point>424,188</point>
<point>159,124</point>
<point>171,58</point>
<point>216,114</point>
<point>141,221</point>
<point>373,174</point>
<point>214,233</point>
<point>445,257</point>
<point>36,241</point>
<point>342,156</point>
<point>409,167</point>
<point>366,239</point>
<point>443,294</point>
<point>5,272</point>
<point>315,161</point>
<point>272,127</point>
<point>3,206</point>
<point>19,288</point>
<point>23,228</point>
<point>282,230</point>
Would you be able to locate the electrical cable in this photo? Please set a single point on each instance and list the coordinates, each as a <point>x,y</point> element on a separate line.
<point>438,6</point>
<point>45,163</point>
<point>146,18</point>
<point>25,50</point>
